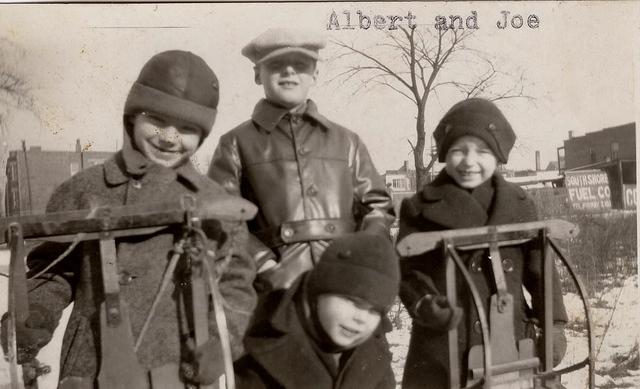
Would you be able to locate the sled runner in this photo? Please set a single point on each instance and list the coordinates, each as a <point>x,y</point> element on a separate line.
<point>500,363</point>
<point>98,229</point>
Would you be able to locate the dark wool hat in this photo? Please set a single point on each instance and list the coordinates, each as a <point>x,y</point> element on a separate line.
<point>360,265</point>
<point>178,84</point>
<point>477,117</point>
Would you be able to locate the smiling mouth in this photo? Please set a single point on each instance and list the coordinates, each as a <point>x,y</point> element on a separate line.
<point>348,332</point>
<point>288,84</point>
<point>166,152</point>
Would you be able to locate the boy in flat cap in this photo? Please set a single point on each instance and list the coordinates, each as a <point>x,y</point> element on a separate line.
<point>472,138</point>
<point>169,111</point>
<point>328,330</point>
<point>313,180</point>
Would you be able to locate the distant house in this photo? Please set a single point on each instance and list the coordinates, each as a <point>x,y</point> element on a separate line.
<point>33,175</point>
<point>401,183</point>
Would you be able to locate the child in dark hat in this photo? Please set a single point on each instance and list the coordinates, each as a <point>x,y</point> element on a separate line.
<point>472,138</point>
<point>169,111</point>
<point>328,330</point>
<point>312,179</point>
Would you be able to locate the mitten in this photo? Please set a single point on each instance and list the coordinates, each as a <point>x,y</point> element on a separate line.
<point>559,343</point>
<point>30,336</point>
<point>203,364</point>
<point>436,313</point>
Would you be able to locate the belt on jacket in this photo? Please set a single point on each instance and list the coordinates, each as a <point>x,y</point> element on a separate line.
<point>305,230</point>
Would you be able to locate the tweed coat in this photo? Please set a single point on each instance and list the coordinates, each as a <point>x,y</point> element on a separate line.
<point>129,178</point>
<point>280,354</point>
<point>303,169</point>
<point>444,205</point>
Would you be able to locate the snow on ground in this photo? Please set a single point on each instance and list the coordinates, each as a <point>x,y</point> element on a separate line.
<point>615,314</point>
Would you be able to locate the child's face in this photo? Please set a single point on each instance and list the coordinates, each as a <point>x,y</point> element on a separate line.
<point>286,79</point>
<point>348,321</point>
<point>166,141</point>
<point>470,161</point>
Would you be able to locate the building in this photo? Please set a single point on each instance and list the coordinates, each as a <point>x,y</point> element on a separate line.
<point>401,184</point>
<point>612,150</point>
<point>33,175</point>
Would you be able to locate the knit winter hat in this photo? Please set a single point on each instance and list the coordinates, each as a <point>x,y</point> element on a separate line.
<point>360,265</point>
<point>178,84</point>
<point>477,117</point>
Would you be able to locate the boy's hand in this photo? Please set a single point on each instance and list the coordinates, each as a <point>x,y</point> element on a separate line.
<point>436,313</point>
<point>204,364</point>
<point>30,337</point>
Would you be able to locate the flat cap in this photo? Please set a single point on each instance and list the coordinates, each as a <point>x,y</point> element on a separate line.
<point>278,41</point>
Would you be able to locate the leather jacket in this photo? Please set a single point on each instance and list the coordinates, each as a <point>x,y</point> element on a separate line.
<point>311,179</point>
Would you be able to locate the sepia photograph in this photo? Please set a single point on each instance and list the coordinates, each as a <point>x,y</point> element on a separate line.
<point>323,195</point>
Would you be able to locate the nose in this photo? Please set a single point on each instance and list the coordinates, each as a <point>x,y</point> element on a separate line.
<point>289,69</point>
<point>359,316</point>
<point>470,158</point>
<point>168,134</point>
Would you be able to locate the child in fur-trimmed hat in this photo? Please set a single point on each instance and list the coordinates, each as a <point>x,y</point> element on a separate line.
<point>472,138</point>
<point>327,330</point>
<point>170,109</point>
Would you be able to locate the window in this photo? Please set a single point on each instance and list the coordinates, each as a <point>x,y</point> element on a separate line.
<point>399,183</point>
<point>592,155</point>
<point>615,148</point>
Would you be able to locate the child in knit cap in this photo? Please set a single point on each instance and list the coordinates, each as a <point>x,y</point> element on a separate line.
<point>472,138</point>
<point>328,330</point>
<point>169,111</point>
<point>312,179</point>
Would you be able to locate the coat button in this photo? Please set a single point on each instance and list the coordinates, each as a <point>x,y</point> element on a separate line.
<point>475,266</point>
<point>287,232</point>
<point>124,278</point>
<point>330,227</point>
<point>136,184</point>
<point>477,327</point>
<point>507,265</point>
<point>312,190</point>
<point>303,151</point>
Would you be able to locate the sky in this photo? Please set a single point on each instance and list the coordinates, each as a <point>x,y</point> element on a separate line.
<point>81,60</point>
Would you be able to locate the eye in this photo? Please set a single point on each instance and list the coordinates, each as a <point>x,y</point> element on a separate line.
<point>189,129</point>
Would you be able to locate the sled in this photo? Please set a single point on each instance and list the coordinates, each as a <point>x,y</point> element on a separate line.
<point>515,366</point>
<point>98,230</point>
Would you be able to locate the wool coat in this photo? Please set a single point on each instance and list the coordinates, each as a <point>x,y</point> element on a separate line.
<point>126,179</point>
<point>311,179</point>
<point>281,354</point>
<point>444,205</point>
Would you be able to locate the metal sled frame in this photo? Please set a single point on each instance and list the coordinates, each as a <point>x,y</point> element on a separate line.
<point>493,237</point>
<point>103,225</point>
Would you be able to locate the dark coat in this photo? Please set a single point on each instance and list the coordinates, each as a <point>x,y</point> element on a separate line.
<point>128,178</point>
<point>280,354</point>
<point>443,205</point>
<point>301,168</point>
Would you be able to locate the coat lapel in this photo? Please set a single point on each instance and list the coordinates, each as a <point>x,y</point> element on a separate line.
<point>367,365</point>
<point>287,355</point>
<point>450,206</point>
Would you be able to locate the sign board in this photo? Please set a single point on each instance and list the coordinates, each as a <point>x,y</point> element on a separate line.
<point>629,196</point>
<point>588,190</point>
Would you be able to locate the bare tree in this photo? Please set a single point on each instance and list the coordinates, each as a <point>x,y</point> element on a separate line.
<point>15,94</point>
<point>410,62</point>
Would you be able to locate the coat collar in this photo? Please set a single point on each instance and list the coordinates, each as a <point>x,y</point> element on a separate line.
<point>129,164</point>
<point>267,115</point>
<point>450,206</point>
<point>291,351</point>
